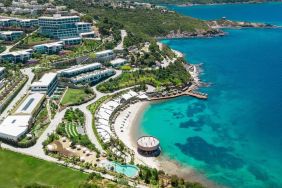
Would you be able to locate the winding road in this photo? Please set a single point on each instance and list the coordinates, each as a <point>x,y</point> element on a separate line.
<point>37,150</point>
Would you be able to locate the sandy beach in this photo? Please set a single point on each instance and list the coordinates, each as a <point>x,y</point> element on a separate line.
<point>129,134</point>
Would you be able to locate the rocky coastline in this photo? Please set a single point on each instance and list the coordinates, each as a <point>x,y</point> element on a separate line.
<point>215,29</point>
<point>224,23</point>
<point>197,34</point>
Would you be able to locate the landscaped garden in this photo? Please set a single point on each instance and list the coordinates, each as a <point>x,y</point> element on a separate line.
<point>74,120</point>
<point>173,75</point>
<point>33,39</point>
<point>71,130</point>
<point>77,96</point>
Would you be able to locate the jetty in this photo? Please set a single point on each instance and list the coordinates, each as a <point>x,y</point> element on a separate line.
<point>188,92</point>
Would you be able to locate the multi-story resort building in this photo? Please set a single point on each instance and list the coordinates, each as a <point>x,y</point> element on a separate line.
<point>16,56</point>
<point>16,125</point>
<point>72,41</point>
<point>8,22</point>
<point>92,77</point>
<point>46,85</point>
<point>61,27</point>
<point>74,71</point>
<point>11,35</point>
<point>118,62</point>
<point>26,23</point>
<point>2,72</point>
<point>105,55</point>
<point>49,48</point>
<point>83,27</point>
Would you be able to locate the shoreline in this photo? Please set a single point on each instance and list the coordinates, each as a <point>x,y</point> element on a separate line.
<point>131,133</point>
<point>231,3</point>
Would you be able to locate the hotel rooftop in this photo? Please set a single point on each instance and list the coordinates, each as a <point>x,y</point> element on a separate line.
<point>45,80</point>
<point>80,69</point>
<point>17,53</point>
<point>57,17</point>
<point>14,126</point>
<point>30,104</point>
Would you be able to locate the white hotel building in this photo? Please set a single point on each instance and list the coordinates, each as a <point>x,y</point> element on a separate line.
<point>92,77</point>
<point>49,48</point>
<point>46,85</point>
<point>15,126</point>
<point>76,70</point>
<point>105,55</point>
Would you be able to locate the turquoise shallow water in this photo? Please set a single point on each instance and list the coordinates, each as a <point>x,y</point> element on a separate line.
<point>235,137</point>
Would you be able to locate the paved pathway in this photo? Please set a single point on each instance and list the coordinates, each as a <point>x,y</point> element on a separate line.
<point>123,34</point>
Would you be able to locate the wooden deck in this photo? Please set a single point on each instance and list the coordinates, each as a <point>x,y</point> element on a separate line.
<point>187,92</point>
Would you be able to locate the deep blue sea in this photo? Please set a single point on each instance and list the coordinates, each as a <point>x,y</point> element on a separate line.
<point>235,137</point>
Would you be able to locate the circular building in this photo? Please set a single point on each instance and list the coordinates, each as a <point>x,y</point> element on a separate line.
<point>148,146</point>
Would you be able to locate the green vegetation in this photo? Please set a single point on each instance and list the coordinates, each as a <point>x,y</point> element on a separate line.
<point>71,130</point>
<point>17,170</point>
<point>32,40</point>
<point>68,128</point>
<point>2,48</point>
<point>76,96</point>
<point>85,47</point>
<point>173,75</point>
<point>142,23</point>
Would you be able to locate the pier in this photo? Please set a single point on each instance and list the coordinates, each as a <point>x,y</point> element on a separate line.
<point>188,92</point>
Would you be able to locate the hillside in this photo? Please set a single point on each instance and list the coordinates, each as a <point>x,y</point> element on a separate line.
<point>144,23</point>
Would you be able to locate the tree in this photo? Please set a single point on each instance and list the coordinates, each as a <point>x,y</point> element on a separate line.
<point>7,3</point>
<point>87,18</point>
<point>174,181</point>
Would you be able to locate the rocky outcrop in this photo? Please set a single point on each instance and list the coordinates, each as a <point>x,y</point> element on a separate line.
<point>224,23</point>
<point>196,34</point>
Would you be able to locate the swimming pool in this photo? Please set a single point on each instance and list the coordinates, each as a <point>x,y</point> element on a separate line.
<point>130,171</point>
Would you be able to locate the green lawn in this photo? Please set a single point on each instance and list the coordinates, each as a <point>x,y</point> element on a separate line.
<point>74,96</point>
<point>17,170</point>
<point>71,130</point>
